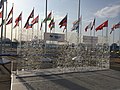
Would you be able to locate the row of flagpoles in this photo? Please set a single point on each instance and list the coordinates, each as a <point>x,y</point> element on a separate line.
<point>63,23</point>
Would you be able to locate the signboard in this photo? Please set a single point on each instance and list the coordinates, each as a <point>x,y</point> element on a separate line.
<point>54,37</point>
<point>90,39</point>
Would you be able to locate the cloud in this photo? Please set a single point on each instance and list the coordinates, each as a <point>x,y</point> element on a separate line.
<point>109,12</point>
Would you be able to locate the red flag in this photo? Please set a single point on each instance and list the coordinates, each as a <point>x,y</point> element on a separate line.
<point>18,18</point>
<point>11,12</point>
<point>9,22</point>
<point>1,14</point>
<point>35,20</point>
<point>100,27</point>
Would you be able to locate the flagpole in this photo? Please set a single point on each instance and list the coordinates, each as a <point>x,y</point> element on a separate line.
<point>41,33</point>
<point>102,36</point>
<point>33,28</point>
<point>102,48</point>
<point>2,30</point>
<point>46,17</point>
<point>94,30</point>
<point>66,29</point>
<point>15,32</point>
<point>90,32</point>
<point>113,35</point>
<point>107,35</point>
<point>79,30</point>
<point>12,26</point>
<point>21,34</point>
<point>113,38</point>
<point>38,27</point>
<point>45,27</point>
<point>119,39</point>
<point>5,26</point>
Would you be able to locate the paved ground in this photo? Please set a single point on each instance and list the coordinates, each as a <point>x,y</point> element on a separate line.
<point>98,80</point>
<point>4,78</point>
<point>115,63</point>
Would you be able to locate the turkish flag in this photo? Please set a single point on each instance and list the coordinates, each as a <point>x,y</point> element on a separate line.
<point>100,27</point>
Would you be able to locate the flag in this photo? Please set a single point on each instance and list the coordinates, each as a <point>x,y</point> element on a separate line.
<point>93,24</point>
<point>1,14</point>
<point>115,27</point>
<point>75,27</point>
<point>30,16</point>
<point>63,22</point>
<point>52,24</point>
<point>10,13</point>
<point>77,21</point>
<point>10,21</point>
<point>41,26</point>
<point>88,27</point>
<point>35,20</point>
<point>48,17</point>
<point>19,18</point>
<point>76,24</point>
<point>100,27</point>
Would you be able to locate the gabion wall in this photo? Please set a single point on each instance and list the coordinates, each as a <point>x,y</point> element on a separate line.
<point>35,55</point>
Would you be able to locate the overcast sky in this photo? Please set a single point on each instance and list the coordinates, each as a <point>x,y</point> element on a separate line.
<point>101,9</point>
